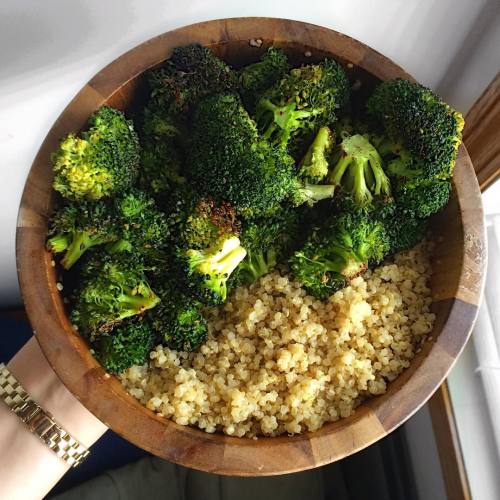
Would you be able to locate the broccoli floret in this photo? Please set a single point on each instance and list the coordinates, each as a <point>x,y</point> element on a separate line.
<point>338,251</point>
<point>291,112</point>
<point>75,228</point>
<point>314,165</point>
<point>303,193</point>
<point>102,162</point>
<point>404,231</point>
<point>143,228</point>
<point>112,288</point>
<point>208,222</point>
<point>267,241</point>
<point>359,170</point>
<point>178,320</point>
<point>416,117</point>
<point>205,272</point>
<point>228,161</point>
<point>191,73</point>
<point>258,77</point>
<point>129,344</point>
<point>422,198</point>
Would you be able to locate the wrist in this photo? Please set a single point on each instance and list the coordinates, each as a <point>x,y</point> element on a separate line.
<point>30,367</point>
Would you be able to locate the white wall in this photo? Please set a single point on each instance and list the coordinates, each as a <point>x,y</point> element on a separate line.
<point>50,49</point>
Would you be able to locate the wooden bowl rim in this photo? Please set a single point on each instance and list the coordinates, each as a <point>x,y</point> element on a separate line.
<point>184,445</point>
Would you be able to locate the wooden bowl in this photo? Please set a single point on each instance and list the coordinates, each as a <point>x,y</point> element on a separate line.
<point>459,264</point>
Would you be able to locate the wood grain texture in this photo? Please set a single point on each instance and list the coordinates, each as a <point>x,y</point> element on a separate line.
<point>456,285</point>
<point>448,444</point>
<point>482,134</point>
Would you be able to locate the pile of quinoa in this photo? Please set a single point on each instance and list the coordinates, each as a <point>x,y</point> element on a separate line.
<point>280,361</point>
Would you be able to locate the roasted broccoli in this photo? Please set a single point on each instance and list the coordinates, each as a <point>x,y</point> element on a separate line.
<point>204,273</point>
<point>260,76</point>
<point>128,344</point>
<point>359,170</point>
<point>417,119</point>
<point>103,161</point>
<point>191,73</point>
<point>314,165</point>
<point>228,160</point>
<point>339,250</point>
<point>76,227</point>
<point>112,288</point>
<point>292,111</point>
<point>178,320</point>
<point>267,241</point>
<point>206,223</point>
<point>143,229</point>
<point>404,231</point>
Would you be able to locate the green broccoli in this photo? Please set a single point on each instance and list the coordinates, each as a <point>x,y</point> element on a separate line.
<point>75,228</point>
<point>178,320</point>
<point>205,272</point>
<point>229,162</point>
<point>260,76</point>
<point>314,165</point>
<point>268,241</point>
<point>206,223</point>
<point>359,170</point>
<point>415,117</point>
<point>292,111</point>
<point>102,162</point>
<point>338,251</point>
<point>404,231</point>
<point>112,288</point>
<point>143,229</point>
<point>192,73</point>
<point>128,344</point>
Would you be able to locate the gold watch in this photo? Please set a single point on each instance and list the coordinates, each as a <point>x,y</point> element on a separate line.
<point>40,422</point>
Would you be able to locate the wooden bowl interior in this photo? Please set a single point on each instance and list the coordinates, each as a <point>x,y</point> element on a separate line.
<point>458,264</point>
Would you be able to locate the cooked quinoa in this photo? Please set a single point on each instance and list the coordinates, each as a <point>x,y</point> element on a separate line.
<point>280,361</point>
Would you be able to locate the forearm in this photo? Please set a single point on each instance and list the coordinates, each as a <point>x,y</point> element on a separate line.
<point>28,468</point>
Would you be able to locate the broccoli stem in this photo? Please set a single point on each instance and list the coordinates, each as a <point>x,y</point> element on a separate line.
<point>338,171</point>
<point>256,265</point>
<point>361,192</point>
<point>81,242</point>
<point>119,247</point>
<point>58,243</point>
<point>136,304</point>
<point>311,193</point>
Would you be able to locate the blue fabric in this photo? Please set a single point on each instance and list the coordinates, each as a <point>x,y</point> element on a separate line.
<point>110,452</point>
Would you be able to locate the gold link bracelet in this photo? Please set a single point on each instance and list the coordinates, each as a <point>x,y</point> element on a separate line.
<point>40,422</point>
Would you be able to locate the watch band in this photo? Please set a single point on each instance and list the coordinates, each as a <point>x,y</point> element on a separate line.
<point>40,422</point>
